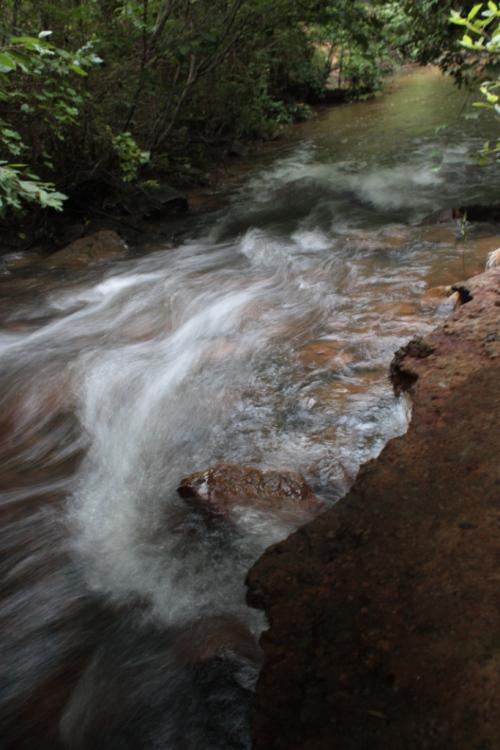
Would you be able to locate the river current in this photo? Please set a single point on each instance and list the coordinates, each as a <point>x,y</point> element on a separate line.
<point>263,338</point>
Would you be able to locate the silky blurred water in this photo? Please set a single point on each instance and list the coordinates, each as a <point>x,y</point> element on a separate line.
<point>264,338</point>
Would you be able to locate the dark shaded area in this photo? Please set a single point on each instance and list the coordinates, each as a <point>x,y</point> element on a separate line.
<point>152,688</point>
<point>402,376</point>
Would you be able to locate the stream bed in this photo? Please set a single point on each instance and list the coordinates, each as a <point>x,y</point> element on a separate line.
<point>263,339</point>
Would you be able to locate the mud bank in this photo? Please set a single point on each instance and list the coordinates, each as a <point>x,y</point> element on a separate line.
<point>384,611</point>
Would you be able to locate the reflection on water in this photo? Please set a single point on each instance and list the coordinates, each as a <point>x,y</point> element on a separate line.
<point>263,339</point>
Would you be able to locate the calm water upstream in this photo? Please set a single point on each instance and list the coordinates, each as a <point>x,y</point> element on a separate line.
<point>263,339</point>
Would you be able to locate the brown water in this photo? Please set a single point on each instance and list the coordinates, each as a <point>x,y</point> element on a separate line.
<point>264,338</point>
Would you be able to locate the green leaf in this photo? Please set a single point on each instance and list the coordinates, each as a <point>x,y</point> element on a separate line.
<point>467,41</point>
<point>25,40</point>
<point>11,134</point>
<point>7,63</point>
<point>475,10</point>
<point>457,19</point>
<point>23,61</point>
<point>78,70</point>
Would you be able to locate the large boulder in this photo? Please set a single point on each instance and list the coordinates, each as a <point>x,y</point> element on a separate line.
<point>103,245</point>
<point>226,486</point>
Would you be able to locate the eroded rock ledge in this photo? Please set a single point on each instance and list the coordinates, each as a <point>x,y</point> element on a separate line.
<point>384,611</point>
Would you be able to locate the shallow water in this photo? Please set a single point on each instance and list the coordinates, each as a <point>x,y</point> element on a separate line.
<point>263,339</point>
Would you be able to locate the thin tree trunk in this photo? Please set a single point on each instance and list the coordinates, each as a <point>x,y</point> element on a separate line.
<point>144,59</point>
<point>15,14</point>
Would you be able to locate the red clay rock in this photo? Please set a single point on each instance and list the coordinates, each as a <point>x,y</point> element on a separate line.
<point>384,611</point>
<point>103,245</point>
<point>225,486</point>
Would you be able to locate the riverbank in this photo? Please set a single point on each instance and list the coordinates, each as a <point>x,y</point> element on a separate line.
<point>383,611</point>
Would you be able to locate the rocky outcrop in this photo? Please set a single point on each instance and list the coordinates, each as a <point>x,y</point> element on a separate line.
<point>226,486</point>
<point>384,611</point>
<point>101,246</point>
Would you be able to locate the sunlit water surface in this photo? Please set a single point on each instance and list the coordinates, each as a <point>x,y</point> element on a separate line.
<point>263,339</point>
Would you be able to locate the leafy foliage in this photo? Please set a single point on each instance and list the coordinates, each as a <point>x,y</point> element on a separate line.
<point>361,42</point>
<point>36,95</point>
<point>18,185</point>
<point>130,156</point>
<point>482,37</point>
<point>117,86</point>
<point>111,92</point>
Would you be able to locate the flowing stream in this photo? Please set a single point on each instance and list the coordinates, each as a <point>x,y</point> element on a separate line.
<point>263,338</point>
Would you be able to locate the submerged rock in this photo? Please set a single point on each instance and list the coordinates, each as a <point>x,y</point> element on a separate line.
<point>326,353</point>
<point>226,486</point>
<point>86,251</point>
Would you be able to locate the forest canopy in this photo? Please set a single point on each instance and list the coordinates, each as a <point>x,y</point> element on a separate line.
<point>95,94</point>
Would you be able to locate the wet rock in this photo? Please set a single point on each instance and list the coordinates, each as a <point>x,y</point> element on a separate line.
<point>331,354</point>
<point>103,245</point>
<point>226,486</point>
<point>359,383</point>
